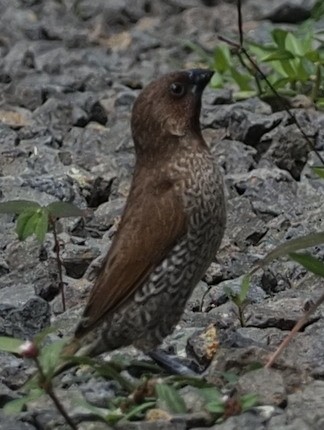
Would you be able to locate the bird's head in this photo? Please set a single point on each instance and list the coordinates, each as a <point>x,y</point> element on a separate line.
<point>168,109</point>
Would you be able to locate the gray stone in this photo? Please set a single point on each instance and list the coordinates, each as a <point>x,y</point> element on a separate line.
<point>246,421</point>
<point>267,384</point>
<point>307,405</point>
<point>27,321</point>
<point>10,423</point>
<point>154,425</point>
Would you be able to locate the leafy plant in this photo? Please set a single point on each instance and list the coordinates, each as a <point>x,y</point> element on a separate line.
<point>240,298</point>
<point>293,63</point>
<point>34,219</point>
<point>225,406</point>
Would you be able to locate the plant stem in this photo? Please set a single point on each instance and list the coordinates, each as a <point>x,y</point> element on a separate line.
<point>47,386</point>
<point>59,262</point>
<point>295,329</point>
<point>275,92</point>
<point>241,315</point>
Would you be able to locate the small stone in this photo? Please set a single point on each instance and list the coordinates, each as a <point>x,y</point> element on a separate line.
<point>267,384</point>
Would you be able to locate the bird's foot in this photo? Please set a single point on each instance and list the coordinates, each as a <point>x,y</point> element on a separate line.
<point>171,363</point>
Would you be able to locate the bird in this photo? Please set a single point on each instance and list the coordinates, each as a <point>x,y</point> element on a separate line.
<point>171,228</point>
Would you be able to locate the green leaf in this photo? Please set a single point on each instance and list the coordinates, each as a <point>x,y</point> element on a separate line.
<point>279,37</point>
<point>294,45</point>
<point>280,83</point>
<point>16,406</point>
<point>309,262</point>
<point>230,377</point>
<point>242,80</point>
<point>215,408</point>
<point>313,56</point>
<point>50,356</point>
<point>64,210</point>
<point>171,397</point>
<point>243,95</point>
<point>304,69</point>
<point>290,67</point>
<point>41,226</point>
<point>222,58</point>
<point>319,170</point>
<point>280,54</point>
<point>32,221</point>
<point>245,287</point>
<point>10,344</point>
<point>26,223</point>
<point>303,242</point>
<point>318,10</point>
<point>248,401</point>
<point>278,67</point>
<point>17,206</point>
<point>217,80</point>
<point>211,394</point>
<point>138,410</point>
<point>111,416</point>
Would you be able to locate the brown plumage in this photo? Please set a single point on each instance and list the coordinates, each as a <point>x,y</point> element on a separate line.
<point>171,227</point>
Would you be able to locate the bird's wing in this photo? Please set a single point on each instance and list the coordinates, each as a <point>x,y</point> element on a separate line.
<point>152,223</point>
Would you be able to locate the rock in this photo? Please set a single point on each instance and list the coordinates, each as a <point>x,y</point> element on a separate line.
<point>306,405</point>
<point>154,425</point>
<point>9,423</point>
<point>246,421</point>
<point>288,150</point>
<point>25,322</point>
<point>267,384</point>
<point>234,156</point>
<point>69,74</point>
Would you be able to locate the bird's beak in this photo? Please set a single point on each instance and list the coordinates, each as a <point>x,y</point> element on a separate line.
<point>199,79</point>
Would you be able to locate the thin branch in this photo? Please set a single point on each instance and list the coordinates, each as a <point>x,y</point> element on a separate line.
<point>296,329</point>
<point>275,92</point>
<point>59,262</point>
<point>240,21</point>
<point>47,386</point>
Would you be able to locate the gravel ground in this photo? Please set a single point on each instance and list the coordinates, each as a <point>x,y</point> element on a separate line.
<point>69,73</point>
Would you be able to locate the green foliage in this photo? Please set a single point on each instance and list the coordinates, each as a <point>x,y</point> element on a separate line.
<point>240,298</point>
<point>10,344</point>
<point>35,219</point>
<point>32,221</point>
<point>318,10</point>
<point>293,63</point>
<point>248,401</point>
<point>17,405</point>
<point>50,357</point>
<point>291,246</point>
<point>214,400</point>
<point>170,396</point>
<point>319,170</point>
<point>309,262</point>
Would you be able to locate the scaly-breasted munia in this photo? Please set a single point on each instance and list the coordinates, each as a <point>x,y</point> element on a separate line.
<point>171,227</point>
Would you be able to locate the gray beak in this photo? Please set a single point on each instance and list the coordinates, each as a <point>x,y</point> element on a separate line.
<point>199,78</point>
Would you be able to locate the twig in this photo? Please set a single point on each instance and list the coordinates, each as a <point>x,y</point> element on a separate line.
<point>59,262</point>
<point>240,21</point>
<point>295,329</point>
<point>240,48</point>
<point>47,386</point>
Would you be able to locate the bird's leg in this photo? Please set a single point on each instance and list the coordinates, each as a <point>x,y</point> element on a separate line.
<point>170,363</point>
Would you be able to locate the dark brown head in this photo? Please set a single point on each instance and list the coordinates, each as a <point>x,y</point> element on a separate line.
<point>168,109</point>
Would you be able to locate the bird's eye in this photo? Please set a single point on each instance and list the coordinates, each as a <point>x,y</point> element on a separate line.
<point>177,89</point>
